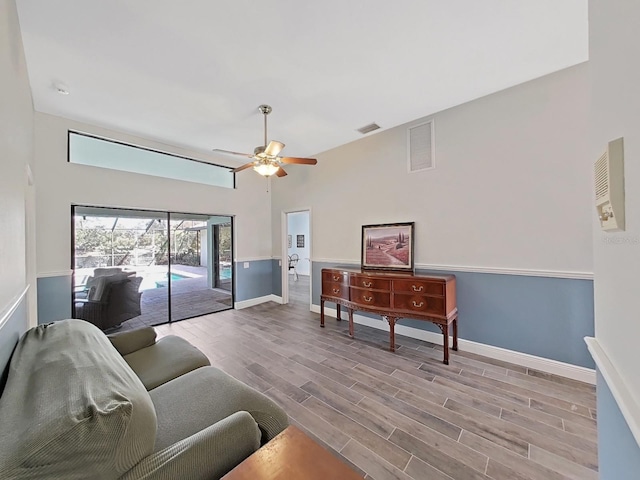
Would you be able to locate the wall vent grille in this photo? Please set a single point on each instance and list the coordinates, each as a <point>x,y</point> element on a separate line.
<point>421,147</point>
<point>602,176</point>
<point>369,128</point>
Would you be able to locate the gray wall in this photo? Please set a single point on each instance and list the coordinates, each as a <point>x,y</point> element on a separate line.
<point>276,277</point>
<point>16,151</point>
<point>66,183</point>
<point>507,311</point>
<point>255,281</point>
<point>54,298</point>
<point>618,452</point>
<point>262,278</point>
<point>511,189</point>
<point>510,197</point>
<point>614,47</point>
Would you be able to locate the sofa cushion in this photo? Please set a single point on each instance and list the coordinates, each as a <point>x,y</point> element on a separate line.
<point>205,396</point>
<point>165,360</point>
<point>72,407</point>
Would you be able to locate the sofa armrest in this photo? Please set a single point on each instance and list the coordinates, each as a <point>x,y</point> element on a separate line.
<point>208,454</point>
<point>133,340</point>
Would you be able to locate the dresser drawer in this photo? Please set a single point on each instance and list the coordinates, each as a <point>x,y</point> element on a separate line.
<point>363,281</point>
<point>338,290</point>
<point>334,276</point>
<point>372,298</point>
<point>418,286</point>
<point>419,304</point>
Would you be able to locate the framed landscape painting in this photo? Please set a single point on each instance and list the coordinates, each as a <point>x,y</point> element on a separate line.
<point>388,247</point>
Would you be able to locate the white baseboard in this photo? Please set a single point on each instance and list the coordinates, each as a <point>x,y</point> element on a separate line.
<point>257,301</point>
<point>626,401</point>
<point>555,367</point>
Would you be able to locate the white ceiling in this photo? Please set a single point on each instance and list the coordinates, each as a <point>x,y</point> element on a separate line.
<point>193,73</point>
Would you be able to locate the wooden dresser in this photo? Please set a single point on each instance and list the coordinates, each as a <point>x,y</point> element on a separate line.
<point>394,296</point>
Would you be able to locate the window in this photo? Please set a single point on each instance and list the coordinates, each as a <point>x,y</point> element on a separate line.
<point>98,152</point>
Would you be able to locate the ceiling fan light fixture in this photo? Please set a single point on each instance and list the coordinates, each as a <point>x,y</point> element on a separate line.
<point>266,159</point>
<point>266,169</point>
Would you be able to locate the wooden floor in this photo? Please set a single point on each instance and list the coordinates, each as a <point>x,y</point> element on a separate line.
<point>403,415</point>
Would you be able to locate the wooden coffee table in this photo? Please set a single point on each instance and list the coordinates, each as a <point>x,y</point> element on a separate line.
<point>292,455</point>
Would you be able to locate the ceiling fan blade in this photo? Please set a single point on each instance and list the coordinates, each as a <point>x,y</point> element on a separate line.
<point>229,152</point>
<point>298,160</point>
<point>274,148</point>
<point>281,172</point>
<point>243,167</point>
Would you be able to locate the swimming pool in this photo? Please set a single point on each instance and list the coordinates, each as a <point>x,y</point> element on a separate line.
<point>157,278</point>
<point>225,272</point>
<point>162,281</point>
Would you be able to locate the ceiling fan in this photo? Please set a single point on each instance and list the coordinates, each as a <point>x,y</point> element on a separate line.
<point>265,157</point>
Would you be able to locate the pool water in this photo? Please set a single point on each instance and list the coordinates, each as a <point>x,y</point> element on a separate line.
<point>225,272</point>
<point>161,279</point>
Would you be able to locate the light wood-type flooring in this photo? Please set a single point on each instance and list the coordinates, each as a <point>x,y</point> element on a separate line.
<point>403,415</point>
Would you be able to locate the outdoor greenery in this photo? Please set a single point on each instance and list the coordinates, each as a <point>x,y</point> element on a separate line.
<point>103,241</point>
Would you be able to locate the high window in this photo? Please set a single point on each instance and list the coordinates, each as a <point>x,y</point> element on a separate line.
<point>98,152</point>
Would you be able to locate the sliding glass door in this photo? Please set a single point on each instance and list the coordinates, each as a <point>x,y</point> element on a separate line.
<point>134,268</point>
<point>195,267</point>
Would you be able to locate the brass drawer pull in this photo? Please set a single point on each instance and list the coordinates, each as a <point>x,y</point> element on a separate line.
<point>417,289</point>
<point>418,305</point>
<point>367,299</point>
<point>336,277</point>
<point>365,284</point>
<point>336,290</point>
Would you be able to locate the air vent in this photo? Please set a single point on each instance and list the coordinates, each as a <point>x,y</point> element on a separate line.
<point>369,128</point>
<point>602,176</point>
<point>421,147</point>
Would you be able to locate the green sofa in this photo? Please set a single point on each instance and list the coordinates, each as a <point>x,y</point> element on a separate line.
<point>80,405</point>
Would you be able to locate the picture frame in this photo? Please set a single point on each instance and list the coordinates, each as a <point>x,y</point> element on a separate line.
<point>300,241</point>
<point>388,246</point>
<point>289,242</point>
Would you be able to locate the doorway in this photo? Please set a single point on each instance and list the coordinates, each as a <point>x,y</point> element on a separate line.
<point>297,264</point>
<point>135,268</point>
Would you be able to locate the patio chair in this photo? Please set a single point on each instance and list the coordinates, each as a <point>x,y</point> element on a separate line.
<point>112,299</point>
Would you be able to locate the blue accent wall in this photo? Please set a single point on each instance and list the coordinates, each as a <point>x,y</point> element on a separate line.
<point>542,316</point>
<point>255,281</point>
<point>54,298</point>
<point>10,333</point>
<point>276,277</point>
<point>259,280</point>
<point>618,451</point>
